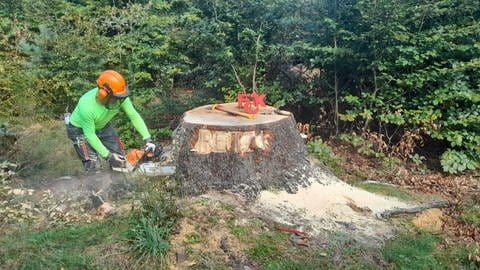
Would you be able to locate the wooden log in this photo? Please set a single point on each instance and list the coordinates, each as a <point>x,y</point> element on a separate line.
<point>215,150</point>
<point>412,210</point>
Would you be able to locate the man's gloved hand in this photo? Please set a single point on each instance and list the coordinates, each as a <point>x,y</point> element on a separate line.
<point>149,146</point>
<point>116,160</point>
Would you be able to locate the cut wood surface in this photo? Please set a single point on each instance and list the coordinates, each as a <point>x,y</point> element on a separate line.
<point>204,115</point>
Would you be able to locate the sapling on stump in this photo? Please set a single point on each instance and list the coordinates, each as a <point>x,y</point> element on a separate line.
<point>222,150</point>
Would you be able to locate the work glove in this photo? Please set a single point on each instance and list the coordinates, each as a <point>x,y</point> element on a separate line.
<point>149,146</point>
<point>116,160</point>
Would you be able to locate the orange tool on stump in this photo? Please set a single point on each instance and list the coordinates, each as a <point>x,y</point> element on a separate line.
<point>219,107</point>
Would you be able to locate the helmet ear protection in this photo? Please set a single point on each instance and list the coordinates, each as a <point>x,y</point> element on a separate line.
<point>104,92</point>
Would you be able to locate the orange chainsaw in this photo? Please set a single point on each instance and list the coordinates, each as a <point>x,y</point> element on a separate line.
<point>147,163</point>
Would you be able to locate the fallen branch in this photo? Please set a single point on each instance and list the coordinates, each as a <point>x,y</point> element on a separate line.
<point>398,211</point>
<point>379,183</point>
<point>291,231</point>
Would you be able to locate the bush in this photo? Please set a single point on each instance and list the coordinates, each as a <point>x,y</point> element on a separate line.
<point>455,161</point>
<point>324,153</point>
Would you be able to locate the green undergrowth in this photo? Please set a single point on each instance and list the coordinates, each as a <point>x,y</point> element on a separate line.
<point>323,153</point>
<point>471,210</point>
<point>83,246</point>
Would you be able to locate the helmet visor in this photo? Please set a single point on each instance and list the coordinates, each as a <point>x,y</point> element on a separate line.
<point>114,102</point>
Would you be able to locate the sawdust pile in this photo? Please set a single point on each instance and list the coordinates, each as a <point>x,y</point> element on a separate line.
<point>329,205</point>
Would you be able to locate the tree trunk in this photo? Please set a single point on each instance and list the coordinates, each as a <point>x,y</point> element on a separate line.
<point>215,150</point>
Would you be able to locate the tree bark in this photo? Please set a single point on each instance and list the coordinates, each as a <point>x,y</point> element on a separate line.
<point>215,150</point>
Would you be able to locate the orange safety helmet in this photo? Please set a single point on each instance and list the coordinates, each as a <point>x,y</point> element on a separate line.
<point>111,84</point>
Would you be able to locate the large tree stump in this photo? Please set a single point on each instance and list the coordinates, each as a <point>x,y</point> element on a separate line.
<point>220,151</point>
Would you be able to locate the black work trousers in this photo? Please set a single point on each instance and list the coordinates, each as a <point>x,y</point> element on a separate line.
<point>90,158</point>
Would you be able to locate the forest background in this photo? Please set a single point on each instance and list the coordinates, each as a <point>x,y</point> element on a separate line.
<point>404,72</point>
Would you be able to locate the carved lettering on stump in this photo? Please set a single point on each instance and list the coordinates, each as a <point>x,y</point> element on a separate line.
<point>217,150</point>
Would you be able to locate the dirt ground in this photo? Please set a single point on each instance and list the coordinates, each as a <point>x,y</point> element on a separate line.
<point>328,204</point>
<point>60,201</point>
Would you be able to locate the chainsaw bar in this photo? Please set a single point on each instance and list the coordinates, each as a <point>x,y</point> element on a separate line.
<point>148,169</point>
<point>155,169</point>
<point>148,164</point>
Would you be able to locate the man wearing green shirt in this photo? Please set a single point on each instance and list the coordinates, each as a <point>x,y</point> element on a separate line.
<point>89,126</point>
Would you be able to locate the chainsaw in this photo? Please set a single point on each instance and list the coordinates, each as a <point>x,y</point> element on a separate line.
<point>146,163</point>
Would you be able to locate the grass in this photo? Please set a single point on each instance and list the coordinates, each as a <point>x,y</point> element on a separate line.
<point>246,231</point>
<point>148,238</point>
<point>149,230</point>
<point>269,250</point>
<point>393,191</point>
<point>228,207</point>
<point>193,238</point>
<point>422,250</point>
<point>67,247</point>
<point>86,246</point>
<point>273,250</point>
<point>240,232</point>
<point>413,251</point>
<point>462,256</point>
<point>143,237</point>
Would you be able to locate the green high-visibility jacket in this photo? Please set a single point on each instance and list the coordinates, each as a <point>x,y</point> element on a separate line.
<point>91,116</point>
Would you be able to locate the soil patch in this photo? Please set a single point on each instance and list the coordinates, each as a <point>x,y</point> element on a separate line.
<point>430,219</point>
